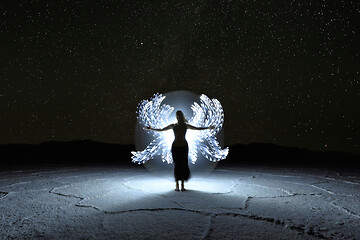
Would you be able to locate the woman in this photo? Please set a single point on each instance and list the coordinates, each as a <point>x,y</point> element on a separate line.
<point>180,148</point>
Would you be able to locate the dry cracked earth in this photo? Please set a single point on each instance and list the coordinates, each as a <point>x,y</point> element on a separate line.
<point>130,203</point>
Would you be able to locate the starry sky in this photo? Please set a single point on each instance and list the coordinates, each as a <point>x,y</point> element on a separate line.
<point>286,72</point>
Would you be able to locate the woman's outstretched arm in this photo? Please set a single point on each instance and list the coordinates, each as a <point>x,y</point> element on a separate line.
<point>198,128</point>
<point>160,130</point>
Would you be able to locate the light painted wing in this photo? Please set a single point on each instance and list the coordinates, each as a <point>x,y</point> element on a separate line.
<point>155,114</point>
<point>208,113</point>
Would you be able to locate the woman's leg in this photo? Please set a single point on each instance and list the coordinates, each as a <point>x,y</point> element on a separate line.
<point>177,185</point>
<point>182,186</point>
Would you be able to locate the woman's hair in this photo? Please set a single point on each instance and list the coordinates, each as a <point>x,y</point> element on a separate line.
<point>180,114</point>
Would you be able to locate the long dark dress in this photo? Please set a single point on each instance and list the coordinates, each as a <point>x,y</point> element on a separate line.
<point>180,152</point>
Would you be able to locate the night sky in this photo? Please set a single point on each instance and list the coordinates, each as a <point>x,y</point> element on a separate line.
<point>285,72</point>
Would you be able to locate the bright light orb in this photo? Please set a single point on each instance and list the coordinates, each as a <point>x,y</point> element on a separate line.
<point>187,102</point>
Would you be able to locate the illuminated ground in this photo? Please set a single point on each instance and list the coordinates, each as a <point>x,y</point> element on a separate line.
<point>129,203</point>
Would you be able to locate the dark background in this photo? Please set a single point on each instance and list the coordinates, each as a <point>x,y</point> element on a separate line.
<point>286,73</point>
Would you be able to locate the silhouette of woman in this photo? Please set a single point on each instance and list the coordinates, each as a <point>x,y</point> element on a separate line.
<point>180,148</point>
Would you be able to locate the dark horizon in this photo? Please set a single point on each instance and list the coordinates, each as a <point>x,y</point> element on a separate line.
<point>89,153</point>
<point>132,145</point>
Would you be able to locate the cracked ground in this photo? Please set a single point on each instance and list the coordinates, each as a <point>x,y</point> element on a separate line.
<point>130,203</point>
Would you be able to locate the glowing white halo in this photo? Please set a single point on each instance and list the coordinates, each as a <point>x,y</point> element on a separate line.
<point>159,111</point>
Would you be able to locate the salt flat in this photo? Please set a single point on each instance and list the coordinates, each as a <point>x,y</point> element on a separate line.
<point>130,203</point>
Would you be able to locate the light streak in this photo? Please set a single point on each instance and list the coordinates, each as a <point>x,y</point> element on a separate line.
<point>157,115</point>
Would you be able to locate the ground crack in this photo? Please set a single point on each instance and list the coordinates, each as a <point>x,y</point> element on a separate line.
<point>86,206</point>
<point>14,184</point>
<point>3,194</point>
<point>78,204</point>
<point>64,195</point>
<point>247,202</point>
<point>323,189</point>
<point>291,195</point>
<point>349,212</point>
<point>332,193</point>
<point>210,228</point>
<point>298,228</point>
<point>158,210</point>
<point>167,198</point>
